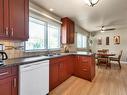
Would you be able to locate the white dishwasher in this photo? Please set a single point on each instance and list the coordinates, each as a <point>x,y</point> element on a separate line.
<point>34,78</point>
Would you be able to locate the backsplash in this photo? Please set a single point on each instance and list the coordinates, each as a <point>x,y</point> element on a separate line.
<point>15,49</point>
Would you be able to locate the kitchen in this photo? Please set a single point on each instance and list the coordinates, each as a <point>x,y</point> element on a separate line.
<point>47,51</point>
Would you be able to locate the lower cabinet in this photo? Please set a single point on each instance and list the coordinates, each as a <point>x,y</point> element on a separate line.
<point>8,82</point>
<point>53,74</point>
<point>59,71</point>
<point>64,67</point>
<point>85,67</point>
<point>6,86</point>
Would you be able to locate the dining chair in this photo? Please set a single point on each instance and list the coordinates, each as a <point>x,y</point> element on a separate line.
<point>102,59</point>
<point>117,59</point>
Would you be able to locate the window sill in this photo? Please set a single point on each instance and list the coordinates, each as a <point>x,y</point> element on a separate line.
<point>44,50</point>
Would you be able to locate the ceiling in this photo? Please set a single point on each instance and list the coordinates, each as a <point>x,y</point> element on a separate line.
<point>110,13</point>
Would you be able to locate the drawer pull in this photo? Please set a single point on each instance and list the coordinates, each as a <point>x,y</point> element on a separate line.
<point>6,31</point>
<point>4,73</point>
<point>12,31</point>
<point>84,69</point>
<point>15,82</point>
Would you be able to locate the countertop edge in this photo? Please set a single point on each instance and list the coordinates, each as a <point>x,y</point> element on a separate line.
<point>13,62</point>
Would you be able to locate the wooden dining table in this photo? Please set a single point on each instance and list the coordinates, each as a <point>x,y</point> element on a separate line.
<point>106,55</point>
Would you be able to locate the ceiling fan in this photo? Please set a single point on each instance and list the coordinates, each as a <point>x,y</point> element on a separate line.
<point>103,29</point>
<point>108,29</point>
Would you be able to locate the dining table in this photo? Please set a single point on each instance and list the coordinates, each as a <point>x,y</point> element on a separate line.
<point>106,55</point>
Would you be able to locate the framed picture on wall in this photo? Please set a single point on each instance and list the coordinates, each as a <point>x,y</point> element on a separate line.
<point>107,40</point>
<point>116,39</point>
<point>99,41</point>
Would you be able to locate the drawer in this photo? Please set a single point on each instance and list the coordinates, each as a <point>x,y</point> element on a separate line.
<point>60,59</point>
<point>14,70</point>
<point>5,72</point>
<point>84,59</point>
<point>84,74</point>
<point>55,60</point>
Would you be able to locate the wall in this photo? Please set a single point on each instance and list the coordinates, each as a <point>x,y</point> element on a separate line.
<point>112,47</point>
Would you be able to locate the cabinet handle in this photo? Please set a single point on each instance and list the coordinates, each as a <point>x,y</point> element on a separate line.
<point>84,69</point>
<point>6,31</point>
<point>15,82</point>
<point>12,31</point>
<point>5,73</point>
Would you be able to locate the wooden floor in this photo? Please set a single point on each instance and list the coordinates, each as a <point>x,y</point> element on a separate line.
<point>106,82</point>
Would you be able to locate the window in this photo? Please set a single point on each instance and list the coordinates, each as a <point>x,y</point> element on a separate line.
<point>36,35</point>
<point>53,37</point>
<point>81,41</point>
<point>42,35</point>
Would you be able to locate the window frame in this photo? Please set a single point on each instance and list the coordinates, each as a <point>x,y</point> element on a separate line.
<point>82,41</point>
<point>46,38</point>
<point>59,38</point>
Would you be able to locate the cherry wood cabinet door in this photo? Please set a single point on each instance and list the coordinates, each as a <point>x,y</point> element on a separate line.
<point>70,66</point>
<point>53,75</point>
<point>6,86</point>
<point>18,9</point>
<point>82,67</point>
<point>67,31</point>
<point>71,32</point>
<point>2,33</point>
<point>63,71</point>
<point>14,85</point>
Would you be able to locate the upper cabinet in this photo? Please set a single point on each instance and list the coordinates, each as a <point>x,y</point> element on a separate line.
<point>14,19</point>
<point>68,30</point>
<point>2,33</point>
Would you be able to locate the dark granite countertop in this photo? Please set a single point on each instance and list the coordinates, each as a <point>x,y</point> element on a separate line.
<point>28,60</point>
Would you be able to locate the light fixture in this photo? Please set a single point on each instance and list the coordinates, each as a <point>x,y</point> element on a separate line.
<point>102,31</point>
<point>91,2</point>
<point>51,9</point>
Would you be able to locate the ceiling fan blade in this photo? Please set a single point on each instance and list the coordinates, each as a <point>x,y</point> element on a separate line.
<point>109,29</point>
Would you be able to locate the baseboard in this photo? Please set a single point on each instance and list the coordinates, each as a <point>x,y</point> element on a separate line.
<point>123,62</point>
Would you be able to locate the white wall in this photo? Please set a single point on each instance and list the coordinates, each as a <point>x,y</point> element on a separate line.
<point>112,47</point>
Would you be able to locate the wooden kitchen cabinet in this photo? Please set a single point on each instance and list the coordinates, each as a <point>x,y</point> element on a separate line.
<point>53,74</point>
<point>63,69</point>
<point>85,67</point>
<point>14,19</point>
<point>8,81</point>
<point>6,86</point>
<point>70,65</point>
<point>60,70</point>
<point>1,19</point>
<point>68,30</point>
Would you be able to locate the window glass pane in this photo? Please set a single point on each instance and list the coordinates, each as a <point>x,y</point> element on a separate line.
<point>84,41</point>
<point>36,35</point>
<point>53,37</point>
<point>81,41</point>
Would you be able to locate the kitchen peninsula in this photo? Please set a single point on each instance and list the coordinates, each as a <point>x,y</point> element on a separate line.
<point>61,67</point>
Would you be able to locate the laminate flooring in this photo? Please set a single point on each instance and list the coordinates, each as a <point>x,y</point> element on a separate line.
<point>110,81</point>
